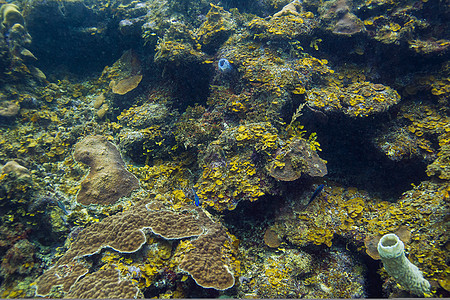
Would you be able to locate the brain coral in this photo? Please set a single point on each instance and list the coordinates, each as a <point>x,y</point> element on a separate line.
<point>108,180</point>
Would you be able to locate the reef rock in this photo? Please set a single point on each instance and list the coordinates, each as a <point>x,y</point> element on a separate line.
<point>15,168</point>
<point>9,109</point>
<point>338,18</point>
<point>216,29</point>
<point>360,99</point>
<point>108,180</point>
<point>298,159</point>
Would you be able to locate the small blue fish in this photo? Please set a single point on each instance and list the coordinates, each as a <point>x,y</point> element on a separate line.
<point>60,205</point>
<point>315,194</point>
<point>196,198</point>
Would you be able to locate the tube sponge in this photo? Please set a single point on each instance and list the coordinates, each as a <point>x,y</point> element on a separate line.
<point>391,250</point>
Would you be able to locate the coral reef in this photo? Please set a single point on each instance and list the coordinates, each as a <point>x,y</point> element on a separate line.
<point>179,46</point>
<point>264,148</point>
<point>353,215</point>
<point>238,164</point>
<point>339,19</point>
<point>282,26</point>
<point>216,29</point>
<point>276,276</point>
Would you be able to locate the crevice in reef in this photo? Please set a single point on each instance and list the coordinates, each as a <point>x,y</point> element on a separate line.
<point>354,161</point>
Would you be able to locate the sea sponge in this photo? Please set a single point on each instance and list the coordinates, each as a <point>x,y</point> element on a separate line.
<point>391,250</point>
<point>224,65</point>
<point>108,179</point>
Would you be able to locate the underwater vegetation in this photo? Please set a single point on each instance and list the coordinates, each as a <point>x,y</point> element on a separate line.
<point>240,149</point>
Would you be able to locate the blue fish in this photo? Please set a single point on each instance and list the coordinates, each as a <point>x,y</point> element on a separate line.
<point>60,205</point>
<point>315,194</point>
<point>196,198</point>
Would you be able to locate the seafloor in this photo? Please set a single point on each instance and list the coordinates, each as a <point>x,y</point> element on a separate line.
<point>236,149</point>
